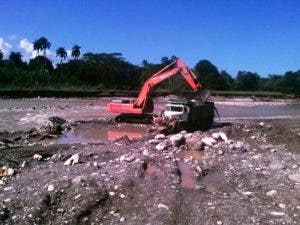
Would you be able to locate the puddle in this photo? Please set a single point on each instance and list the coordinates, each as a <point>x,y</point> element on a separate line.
<point>87,133</point>
<point>215,181</point>
<point>192,153</point>
<point>186,174</point>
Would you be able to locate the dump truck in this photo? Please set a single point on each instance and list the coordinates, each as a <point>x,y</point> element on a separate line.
<point>189,114</point>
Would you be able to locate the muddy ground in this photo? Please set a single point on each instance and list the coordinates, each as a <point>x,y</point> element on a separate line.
<point>235,173</point>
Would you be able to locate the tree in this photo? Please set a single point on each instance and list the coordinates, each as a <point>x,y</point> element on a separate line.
<point>61,53</point>
<point>247,81</point>
<point>291,82</point>
<point>1,55</point>
<point>37,46</point>
<point>44,44</point>
<point>40,61</point>
<point>76,52</point>
<point>16,58</point>
<point>208,75</point>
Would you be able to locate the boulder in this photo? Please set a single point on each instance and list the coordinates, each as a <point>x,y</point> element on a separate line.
<point>177,140</point>
<point>74,159</point>
<point>194,143</point>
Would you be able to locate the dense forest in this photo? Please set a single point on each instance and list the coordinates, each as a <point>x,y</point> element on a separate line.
<point>112,71</point>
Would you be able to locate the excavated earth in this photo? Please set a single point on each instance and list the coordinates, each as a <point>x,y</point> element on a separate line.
<point>234,173</point>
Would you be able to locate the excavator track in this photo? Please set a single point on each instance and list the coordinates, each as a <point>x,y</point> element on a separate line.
<point>134,118</point>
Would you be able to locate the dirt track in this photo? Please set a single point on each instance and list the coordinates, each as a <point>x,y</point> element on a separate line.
<point>251,178</point>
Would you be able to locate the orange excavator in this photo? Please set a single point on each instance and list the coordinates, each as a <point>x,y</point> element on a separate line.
<point>142,107</point>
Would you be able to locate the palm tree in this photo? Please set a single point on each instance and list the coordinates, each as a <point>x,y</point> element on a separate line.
<point>45,44</point>
<point>37,46</point>
<point>61,53</point>
<point>76,51</point>
<point>1,55</point>
<point>16,58</point>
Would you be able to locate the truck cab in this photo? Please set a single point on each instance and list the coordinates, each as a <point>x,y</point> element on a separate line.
<point>177,109</point>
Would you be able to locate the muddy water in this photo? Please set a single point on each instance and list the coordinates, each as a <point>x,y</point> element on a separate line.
<point>98,133</point>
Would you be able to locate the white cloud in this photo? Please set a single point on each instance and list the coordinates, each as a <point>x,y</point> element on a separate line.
<point>27,47</point>
<point>5,47</point>
<point>69,53</point>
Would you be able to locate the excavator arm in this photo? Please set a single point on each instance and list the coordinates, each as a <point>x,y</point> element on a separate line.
<point>143,103</point>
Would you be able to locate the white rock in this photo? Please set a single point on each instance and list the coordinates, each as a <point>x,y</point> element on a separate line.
<point>177,139</point>
<point>216,136</point>
<point>77,180</point>
<point>95,164</point>
<point>162,206</point>
<point>261,124</point>
<point>77,196</point>
<point>153,141</point>
<point>208,141</point>
<point>161,146</point>
<point>271,193</point>
<point>223,136</point>
<point>219,222</point>
<point>295,177</point>
<point>160,136</point>
<point>37,157</point>
<point>122,219</point>
<point>146,152</point>
<point>111,193</point>
<point>247,193</point>
<point>1,182</point>
<point>74,159</point>
<point>281,205</point>
<point>50,187</point>
<point>277,213</point>
<point>23,164</point>
<point>122,196</point>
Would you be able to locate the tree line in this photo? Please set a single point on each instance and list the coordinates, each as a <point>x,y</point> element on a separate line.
<point>112,71</point>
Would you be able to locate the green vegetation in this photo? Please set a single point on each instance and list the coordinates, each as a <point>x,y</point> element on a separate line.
<point>110,71</point>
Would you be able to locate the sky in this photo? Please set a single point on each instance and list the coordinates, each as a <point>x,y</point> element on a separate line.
<point>260,36</point>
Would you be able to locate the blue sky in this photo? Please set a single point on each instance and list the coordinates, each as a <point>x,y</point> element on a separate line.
<point>262,36</point>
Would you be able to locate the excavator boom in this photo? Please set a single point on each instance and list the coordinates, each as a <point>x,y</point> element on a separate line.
<point>143,104</point>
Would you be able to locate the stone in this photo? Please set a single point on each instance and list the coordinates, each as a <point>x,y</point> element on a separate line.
<point>162,206</point>
<point>50,188</point>
<point>216,136</point>
<point>295,177</point>
<point>177,140</point>
<point>220,152</point>
<point>146,152</point>
<point>160,136</point>
<point>77,180</point>
<point>153,141</point>
<point>223,136</point>
<point>74,159</point>
<point>6,171</point>
<point>247,193</point>
<point>122,219</point>
<point>281,205</point>
<point>194,143</point>
<point>277,213</point>
<point>122,196</point>
<point>271,193</point>
<point>37,157</point>
<point>261,124</point>
<point>208,141</point>
<point>219,222</point>
<point>111,193</point>
<point>276,165</point>
<point>161,146</point>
